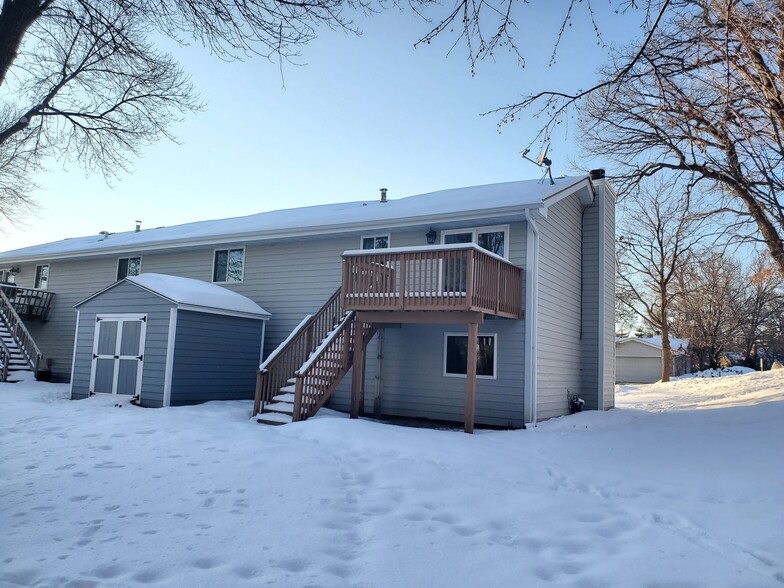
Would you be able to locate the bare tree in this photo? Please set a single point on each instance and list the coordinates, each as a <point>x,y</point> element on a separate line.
<point>702,101</point>
<point>658,236</point>
<point>81,80</point>
<point>707,313</point>
<point>759,308</point>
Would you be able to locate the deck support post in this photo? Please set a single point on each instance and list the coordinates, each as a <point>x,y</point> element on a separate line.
<point>379,374</point>
<point>471,377</point>
<point>358,369</point>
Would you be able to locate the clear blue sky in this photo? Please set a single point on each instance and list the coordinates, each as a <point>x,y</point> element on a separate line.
<point>359,114</point>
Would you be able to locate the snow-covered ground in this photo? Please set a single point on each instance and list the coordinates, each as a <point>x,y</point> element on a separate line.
<point>92,494</point>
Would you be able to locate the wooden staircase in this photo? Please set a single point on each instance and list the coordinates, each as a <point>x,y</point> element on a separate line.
<point>18,352</point>
<point>298,377</point>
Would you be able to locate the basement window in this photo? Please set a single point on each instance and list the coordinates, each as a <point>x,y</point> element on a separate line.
<point>456,355</point>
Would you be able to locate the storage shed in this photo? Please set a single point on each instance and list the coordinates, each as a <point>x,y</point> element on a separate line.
<point>167,341</point>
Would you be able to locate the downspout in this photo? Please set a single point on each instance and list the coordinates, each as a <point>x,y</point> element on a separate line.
<point>532,294</point>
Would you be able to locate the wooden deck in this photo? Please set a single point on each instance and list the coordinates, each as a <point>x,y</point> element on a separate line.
<point>446,278</point>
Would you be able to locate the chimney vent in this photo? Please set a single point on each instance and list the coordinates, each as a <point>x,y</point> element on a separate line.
<point>383,194</point>
<point>596,174</point>
<point>138,226</point>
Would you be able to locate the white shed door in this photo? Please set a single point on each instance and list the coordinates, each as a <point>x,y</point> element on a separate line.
<point>118,354</point>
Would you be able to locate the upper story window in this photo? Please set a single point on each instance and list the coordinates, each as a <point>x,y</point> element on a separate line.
<point>228,265</point>
<point>128,266</point>
<point>41,276</point>
<point>375,242</point>
<point>494,239</point>
<point>456,355</point>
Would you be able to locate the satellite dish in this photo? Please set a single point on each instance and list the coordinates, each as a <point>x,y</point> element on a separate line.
<point>541,161</point>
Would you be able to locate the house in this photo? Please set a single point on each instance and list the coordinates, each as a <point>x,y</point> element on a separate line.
<point>488,304</point>
<point>639,359</point>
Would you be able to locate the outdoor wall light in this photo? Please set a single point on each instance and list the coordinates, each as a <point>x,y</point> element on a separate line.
<point>431,236</point>
<point>13,271</point>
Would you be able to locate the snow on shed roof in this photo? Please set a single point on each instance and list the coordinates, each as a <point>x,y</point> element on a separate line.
<point>456,203</point>
<point>190,294</point>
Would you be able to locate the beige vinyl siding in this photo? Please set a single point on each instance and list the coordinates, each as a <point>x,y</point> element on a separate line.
<point>559,352</point>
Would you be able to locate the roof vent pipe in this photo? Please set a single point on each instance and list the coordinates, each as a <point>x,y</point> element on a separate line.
<point>103,235</point>
<point>383,194</point>
<point>138,226</point>
<point>596,174</point>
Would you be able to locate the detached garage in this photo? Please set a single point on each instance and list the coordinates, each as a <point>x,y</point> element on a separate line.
<point>167,341</point>
<point>638,360</point>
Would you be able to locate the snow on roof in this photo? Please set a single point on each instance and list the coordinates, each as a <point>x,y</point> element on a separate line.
<point>194,294</point>
<point>479,201</point>
<point>675,344</point>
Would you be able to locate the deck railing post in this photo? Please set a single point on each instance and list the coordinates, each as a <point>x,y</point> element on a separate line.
<point>260,375</point>
<point>471,254</point>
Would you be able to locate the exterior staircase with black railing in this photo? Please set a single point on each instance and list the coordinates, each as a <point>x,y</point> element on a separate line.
<point>19,355</point>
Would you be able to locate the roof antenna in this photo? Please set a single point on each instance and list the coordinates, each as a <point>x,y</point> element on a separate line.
<point>541,161</point>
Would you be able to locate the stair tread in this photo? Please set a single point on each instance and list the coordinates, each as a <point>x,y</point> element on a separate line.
<point>273,418</point>
<point>289,397</point>
<point>286,407</point>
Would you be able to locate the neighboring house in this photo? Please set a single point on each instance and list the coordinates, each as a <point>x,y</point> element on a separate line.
<point>525,269</point>
<point>638,360</point>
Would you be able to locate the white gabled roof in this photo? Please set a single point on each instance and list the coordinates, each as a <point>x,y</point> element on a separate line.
<point>445,205</point>
<point>675,344</point>
<point>189,294</point>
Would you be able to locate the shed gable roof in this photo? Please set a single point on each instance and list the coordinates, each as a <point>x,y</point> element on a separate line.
<point>190,294</point>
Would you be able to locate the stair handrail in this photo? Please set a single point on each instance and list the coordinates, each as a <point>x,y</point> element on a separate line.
<point>285,343</point>
<point>325,376</point>
<point>316,379</point>
<point>295,350</point>
<point>20,333</point>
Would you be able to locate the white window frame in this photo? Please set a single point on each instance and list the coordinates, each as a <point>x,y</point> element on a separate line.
<point>475,235</point>
<point>130,257</point>
<point>478,376</point>
<point>374,236</point>
<point>35,277</point>
<point>228,249</point>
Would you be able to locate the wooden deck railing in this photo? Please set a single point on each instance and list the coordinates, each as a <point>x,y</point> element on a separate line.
<point>29,303</point>
<point>320,375</point>
<point>441,278</point>
<point>295,350</point>
<point>19,331</point>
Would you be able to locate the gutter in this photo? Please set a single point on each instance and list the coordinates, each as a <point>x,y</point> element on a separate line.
<point>531,300</point>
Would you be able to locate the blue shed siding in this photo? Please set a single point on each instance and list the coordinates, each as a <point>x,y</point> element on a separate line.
<point>215,357</point>
<point>125,298</point>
